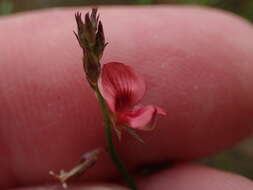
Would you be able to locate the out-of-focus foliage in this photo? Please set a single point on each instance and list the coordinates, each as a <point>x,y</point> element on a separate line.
<point>241,7</point>
<point>238,160</point>
<point>145,2</point>
<point>6,7</point>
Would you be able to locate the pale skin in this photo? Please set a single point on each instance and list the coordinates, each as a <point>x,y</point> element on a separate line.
<point>197,64</point>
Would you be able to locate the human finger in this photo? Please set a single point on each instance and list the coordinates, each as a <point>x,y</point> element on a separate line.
<point>190,177</point>
<point>196,63</point>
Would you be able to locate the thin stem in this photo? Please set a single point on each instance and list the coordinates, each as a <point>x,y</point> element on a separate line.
<point>110,146</point>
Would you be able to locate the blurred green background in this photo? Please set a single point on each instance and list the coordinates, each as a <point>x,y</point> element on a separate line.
<point>241,7</point>
<point>240,158</point>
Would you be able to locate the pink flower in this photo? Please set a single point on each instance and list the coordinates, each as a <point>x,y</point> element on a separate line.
<point>122,88</point>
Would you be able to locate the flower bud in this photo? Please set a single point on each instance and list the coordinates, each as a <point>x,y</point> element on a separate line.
<point>90,35</point>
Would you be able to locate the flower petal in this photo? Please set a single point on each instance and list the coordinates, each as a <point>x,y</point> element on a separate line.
<point>142,118</point>
<point>120,86</point>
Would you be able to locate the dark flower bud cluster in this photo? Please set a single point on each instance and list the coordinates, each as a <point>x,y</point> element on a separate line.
<point>90,35</point>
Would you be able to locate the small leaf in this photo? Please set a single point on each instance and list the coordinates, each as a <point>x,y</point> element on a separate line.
<point>133,134</point>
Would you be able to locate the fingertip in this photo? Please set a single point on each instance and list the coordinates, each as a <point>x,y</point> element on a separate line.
<point>192,177</point>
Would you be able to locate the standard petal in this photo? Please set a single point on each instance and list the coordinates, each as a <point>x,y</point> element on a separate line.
<point>142,118</point>
<point>120,86</point>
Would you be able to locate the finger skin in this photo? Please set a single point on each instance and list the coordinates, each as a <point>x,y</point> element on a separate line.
<point>76,187</point>
<point>190,177</point>
<point>197,64</point>
<point>181,177</point>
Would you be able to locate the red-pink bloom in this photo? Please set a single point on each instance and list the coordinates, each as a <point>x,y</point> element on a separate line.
<point>122,88</point>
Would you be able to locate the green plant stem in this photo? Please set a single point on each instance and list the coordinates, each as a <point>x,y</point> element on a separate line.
<point>110,146</point>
